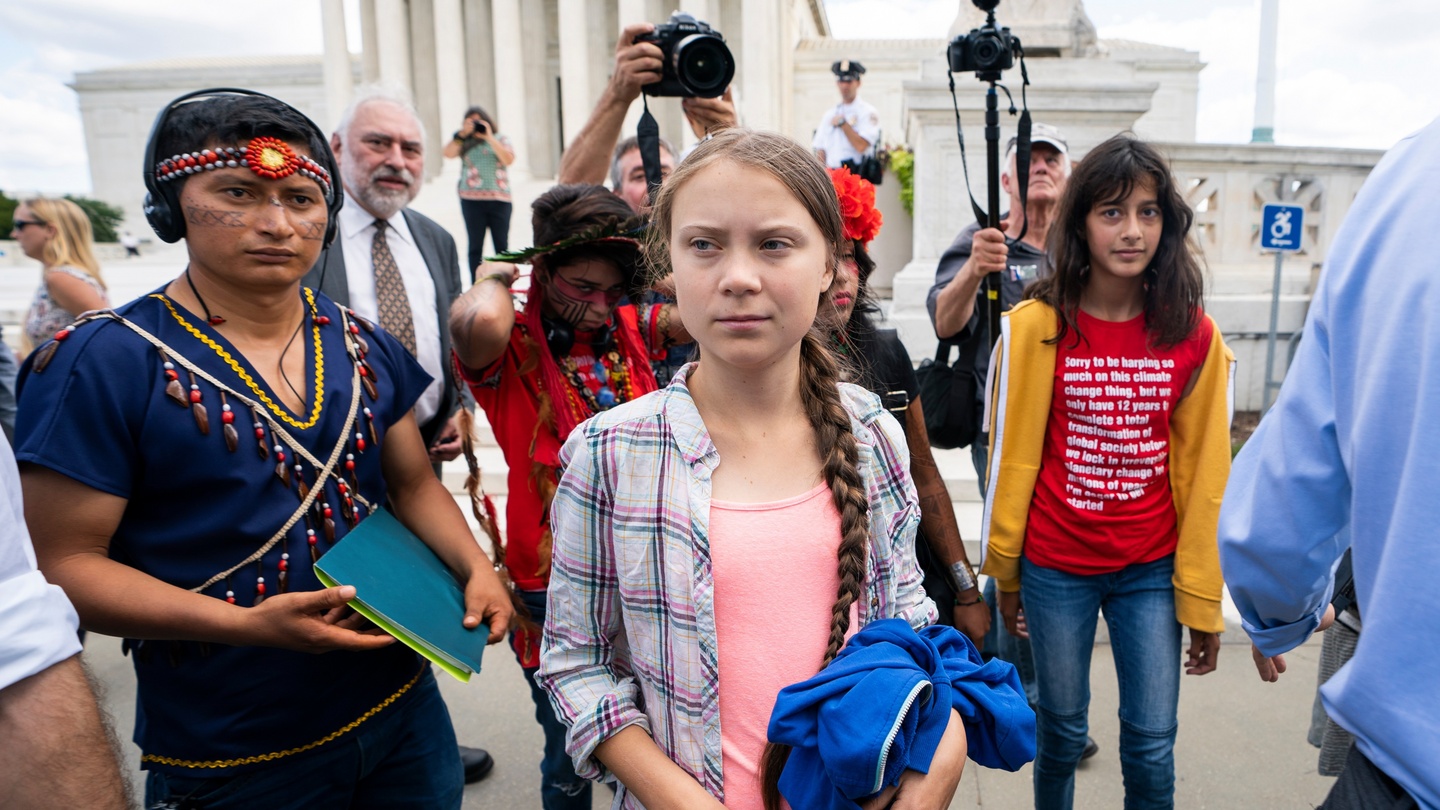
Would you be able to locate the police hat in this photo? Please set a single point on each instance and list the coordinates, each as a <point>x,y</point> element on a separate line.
<point>847,70</point>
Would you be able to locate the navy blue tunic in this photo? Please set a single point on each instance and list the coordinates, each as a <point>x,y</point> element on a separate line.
<point>98,413</point>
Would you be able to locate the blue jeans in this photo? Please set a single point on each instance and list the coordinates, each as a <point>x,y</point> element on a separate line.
<point>560,787</point>
<point>403,757</point>
<point>1139,606</point>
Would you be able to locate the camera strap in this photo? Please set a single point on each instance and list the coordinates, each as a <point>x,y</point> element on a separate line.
<point>647,134</point>
<point>980,215</point>
<point>1022,147</point>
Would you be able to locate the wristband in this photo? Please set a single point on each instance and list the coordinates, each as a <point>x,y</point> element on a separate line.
<point>979,600</point>
<point>963,576</point>
<point>503,278</point>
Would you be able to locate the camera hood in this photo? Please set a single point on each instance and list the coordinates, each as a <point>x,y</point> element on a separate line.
<point>703,65</point>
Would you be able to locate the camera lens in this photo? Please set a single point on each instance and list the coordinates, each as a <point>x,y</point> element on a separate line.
<point>704,65</point>
<point>986,51</point>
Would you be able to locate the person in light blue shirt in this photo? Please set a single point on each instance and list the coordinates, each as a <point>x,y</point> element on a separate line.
<point>1352,442</point>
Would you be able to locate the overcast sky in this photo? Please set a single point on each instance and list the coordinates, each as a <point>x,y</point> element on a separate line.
<point>1351,74</point>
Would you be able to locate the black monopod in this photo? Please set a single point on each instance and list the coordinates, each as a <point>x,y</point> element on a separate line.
<point>988,51</point>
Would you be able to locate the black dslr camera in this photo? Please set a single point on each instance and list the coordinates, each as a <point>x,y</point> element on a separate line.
<point>696,61</point>
<point>986,51</point>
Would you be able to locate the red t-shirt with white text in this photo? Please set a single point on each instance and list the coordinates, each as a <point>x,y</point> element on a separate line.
<point>1102,498</point>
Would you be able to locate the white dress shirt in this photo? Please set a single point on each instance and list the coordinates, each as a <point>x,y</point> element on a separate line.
<point>357,235</point>
<point>863,119</point>
<point>37,622</point>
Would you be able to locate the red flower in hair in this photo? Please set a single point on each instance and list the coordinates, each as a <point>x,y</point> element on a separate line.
<point>857,205</point>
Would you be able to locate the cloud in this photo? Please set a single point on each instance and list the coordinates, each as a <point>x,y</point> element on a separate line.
<point>43,45</point>
<point>890,19</point>
<point>44,145</point>
<point>101,33</point>
<point>1347,75</point>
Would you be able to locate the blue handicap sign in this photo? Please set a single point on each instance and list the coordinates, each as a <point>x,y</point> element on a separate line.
<point>1281,227</point>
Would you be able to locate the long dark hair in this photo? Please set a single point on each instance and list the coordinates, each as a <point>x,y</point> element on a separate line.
<point>858,332</point>
<point>1174,282</point>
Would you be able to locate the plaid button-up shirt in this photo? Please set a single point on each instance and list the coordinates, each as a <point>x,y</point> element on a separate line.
<point>629,633</point>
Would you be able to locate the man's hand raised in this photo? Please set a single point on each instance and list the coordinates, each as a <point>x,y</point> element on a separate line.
<point>636,63</point>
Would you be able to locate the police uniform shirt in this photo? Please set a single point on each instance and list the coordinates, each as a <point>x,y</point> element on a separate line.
<point>863,119</point>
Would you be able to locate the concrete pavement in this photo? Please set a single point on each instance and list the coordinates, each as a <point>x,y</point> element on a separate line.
<point>1241,742</point>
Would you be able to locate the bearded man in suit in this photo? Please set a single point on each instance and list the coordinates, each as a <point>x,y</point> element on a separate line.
<point>397,266</point>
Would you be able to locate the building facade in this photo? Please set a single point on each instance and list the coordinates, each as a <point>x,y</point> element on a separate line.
<point>539,67</point>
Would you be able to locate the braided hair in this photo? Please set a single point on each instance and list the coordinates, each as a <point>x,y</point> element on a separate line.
<point>803,175</point>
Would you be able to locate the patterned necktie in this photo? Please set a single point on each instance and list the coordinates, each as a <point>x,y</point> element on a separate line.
<point>395,313</point>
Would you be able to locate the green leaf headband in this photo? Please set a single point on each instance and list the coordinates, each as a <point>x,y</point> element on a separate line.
<point>626,231</point>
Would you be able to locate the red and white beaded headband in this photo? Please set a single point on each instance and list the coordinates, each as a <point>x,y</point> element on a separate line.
<point>267,157</point>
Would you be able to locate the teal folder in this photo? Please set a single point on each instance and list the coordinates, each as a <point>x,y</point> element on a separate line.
<point>407,591</point>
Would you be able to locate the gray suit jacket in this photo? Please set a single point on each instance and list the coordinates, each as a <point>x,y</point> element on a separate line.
<point>438,248</point>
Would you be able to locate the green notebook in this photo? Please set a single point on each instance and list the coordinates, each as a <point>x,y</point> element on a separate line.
<point>406,590</point>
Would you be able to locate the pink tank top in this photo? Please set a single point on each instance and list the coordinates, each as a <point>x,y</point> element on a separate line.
<point>775,584</point>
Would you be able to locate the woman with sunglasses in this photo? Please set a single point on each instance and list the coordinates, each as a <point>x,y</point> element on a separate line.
<point>57,234</point>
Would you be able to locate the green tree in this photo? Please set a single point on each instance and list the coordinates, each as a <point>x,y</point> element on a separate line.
<point>7,215</point>
<point>902,164</point>
<point>104,217</point>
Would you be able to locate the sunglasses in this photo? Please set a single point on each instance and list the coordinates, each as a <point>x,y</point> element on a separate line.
<point>21,223</point>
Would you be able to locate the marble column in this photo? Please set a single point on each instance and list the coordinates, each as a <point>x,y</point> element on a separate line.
<point>575,98</point>
<point>337,71</point>
<point>758,76</point>
<point>424,80</point>
<point>392,34</point>
<point>479,48</point>
<point>631,11</point>
<point>369,43</point>
<point>451,93</point>
<point>510,84</point>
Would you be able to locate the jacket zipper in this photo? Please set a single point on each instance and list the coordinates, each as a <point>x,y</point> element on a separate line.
<point>894,730</point>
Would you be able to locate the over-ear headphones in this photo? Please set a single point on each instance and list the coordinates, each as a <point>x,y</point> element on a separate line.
<point>560,337</point>
<point>162,200</point>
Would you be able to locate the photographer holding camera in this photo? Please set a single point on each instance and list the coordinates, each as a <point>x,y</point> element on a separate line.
<point>484,186</point>
<point>849,129</point>
<point>640,64</point>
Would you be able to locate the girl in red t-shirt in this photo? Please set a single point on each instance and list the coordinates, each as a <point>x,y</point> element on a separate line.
<point>1110,451</point>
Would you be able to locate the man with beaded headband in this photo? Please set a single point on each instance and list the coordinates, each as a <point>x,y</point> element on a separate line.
<point>209,442</point>
<point>571,352</point>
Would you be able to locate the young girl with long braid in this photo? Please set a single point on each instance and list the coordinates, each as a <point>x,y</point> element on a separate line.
<point>719,540</point>
<point>1110,452</point>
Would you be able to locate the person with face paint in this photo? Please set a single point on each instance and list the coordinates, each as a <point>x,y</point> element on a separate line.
<point>188,457</point>
<point>572,351</point>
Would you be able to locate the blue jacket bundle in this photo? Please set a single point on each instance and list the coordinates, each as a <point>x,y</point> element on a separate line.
<point>882,706</point>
